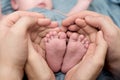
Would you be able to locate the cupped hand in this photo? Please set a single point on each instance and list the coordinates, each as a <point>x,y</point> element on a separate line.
<point>92,63</point>
<point>36,65</point>
<point>13,43</point>
<point>110,30</point>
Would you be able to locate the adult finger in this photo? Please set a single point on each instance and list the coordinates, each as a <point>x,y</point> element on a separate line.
<point>23,24</point>
<point>53,24</point>
<point>44,22</point>
<point>47,30</point>
<point>101,23</point>
<point>71,19</point>
<point>82,24</point>
<point>89,30</point>
<point>101,48</point>
<point>12,18</point>
<point>47,23</point>
<point>73,27</point>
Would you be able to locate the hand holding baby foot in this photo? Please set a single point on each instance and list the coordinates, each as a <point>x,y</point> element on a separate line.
<point>37,36</point>
<point>36,66</point>
<point>92,63</point>
<point>56,47</point>
<point>111,35</point>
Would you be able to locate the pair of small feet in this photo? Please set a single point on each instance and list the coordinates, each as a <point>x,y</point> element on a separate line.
<point>62,56</point>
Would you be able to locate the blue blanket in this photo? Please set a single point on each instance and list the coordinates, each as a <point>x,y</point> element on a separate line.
<point>106,7</point>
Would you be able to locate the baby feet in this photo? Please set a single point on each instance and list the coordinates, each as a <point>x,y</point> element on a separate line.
<point>55,49</point>
<point>58,56</point>
<point>77,47</point>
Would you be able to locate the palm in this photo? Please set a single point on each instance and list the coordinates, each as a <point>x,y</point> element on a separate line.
<point>37,38</point>
<point>37,54</point>
<point>82,66</point>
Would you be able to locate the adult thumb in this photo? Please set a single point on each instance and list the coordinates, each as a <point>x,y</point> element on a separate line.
<point>23,24</point>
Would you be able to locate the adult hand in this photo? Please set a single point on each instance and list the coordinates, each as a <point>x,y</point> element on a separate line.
<point>111,34</point>
<point>92,63</point>
<point>13,43</point>
<point>36,65</point>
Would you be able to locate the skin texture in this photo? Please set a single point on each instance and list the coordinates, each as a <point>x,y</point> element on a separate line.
<point>96,51</point>
<point>36,66</point>
<point>52,40</point>
<point>28,4</point>
<point>15,42</point>
<point>92,63</point>
<point>23,44</point>
<point>110,30</point>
